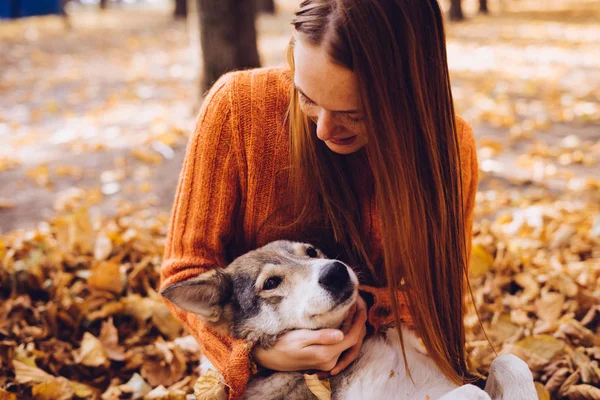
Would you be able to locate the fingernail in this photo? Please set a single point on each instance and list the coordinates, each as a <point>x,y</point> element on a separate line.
<point>337,335</point>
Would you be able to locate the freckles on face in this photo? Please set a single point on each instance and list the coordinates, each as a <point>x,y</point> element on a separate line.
<point>329,96</point>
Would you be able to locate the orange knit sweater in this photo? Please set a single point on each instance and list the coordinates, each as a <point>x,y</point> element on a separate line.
<point>231,181</point>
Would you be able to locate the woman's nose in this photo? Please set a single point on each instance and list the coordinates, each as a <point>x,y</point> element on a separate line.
<point>325,126</point>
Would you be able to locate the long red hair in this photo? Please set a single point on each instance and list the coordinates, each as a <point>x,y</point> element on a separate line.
<point>397,50</point>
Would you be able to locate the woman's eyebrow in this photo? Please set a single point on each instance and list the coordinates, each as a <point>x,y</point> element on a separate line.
<point>311,100</point>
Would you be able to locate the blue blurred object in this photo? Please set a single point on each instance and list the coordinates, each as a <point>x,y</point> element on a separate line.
<point>28,8</point>
<point>8,8</point>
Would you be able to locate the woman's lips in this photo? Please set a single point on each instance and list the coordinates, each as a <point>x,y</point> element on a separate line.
<point>343,142</point>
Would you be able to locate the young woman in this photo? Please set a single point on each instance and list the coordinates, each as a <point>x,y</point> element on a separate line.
<point>354,148</point>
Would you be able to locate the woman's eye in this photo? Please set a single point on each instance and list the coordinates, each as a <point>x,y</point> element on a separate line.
<point>306,102</point>
<point>312,252</point>
<point>272,283</point>
<point>354,121</point>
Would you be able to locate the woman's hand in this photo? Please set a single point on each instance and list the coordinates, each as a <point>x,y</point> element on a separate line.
<point>356,317</point>
<point>305,349</point>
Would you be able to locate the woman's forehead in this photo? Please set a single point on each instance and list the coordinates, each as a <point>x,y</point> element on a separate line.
<point>326,83</point>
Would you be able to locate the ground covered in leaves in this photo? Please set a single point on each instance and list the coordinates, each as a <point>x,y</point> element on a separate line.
<point>95,147</point>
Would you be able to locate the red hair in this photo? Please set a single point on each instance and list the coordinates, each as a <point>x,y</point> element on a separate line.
<point>397,51</point>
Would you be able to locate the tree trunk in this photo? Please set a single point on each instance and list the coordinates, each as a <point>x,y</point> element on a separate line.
<point>103,4</point>
<point>181,9</point>
<point>265,6</point>
<point>63,13</point>
<point>456,13</point>
<point>483,7</point>
<point>227,37</point>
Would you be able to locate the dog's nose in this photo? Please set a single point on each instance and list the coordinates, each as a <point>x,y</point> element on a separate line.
<point>334,277</point>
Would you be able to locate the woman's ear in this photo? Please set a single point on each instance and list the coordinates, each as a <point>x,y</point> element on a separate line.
<point>206,295</point>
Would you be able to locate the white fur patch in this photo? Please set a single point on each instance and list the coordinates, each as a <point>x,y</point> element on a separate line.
<point>510,379</point>
<point>380,371</point>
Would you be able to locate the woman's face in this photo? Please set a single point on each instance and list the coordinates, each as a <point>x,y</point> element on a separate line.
<point>328,95</point>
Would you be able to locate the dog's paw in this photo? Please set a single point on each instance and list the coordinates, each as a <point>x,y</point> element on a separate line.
<point>466,392</point>
<point>510,379</point>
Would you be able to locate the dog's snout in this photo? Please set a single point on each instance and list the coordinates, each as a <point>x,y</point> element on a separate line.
<point>334,277</point>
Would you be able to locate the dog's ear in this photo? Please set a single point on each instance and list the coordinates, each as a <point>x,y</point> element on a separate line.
<point>206,295</point>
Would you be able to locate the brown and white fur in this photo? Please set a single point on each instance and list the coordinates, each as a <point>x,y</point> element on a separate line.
<point>286,285</point>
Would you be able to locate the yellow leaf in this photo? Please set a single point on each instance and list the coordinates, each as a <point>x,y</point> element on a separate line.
<point>321,389</point>
<point>161,393</point>
<point>136,387</point>
<point>143,187</point>
<point>503,328</point>
<point>209,386</point>
<point>583,392</point>
<point>531,288</point>
<point>106,276</point>
<point>147,156</point>
<point>549,306</point>
<point>165,321</point>
<point>5,203</point>
<point>494,145</point>
<point>53,389</point>
<point>52,107</point>
<point>481,261</point>
<point>139,307</point>
<point>75,232</point>
<point>23,355</point>
<point>91,353</point>
<point>82,390</point>
<point>4,395</point>
<point>544,346</point>
<point>542,392</point>
<point>103,246</point>
<point>168,138</point>
<point>27,374</point>
<point>113,307</point>
<point>109,336</point>
<point>40,175</point>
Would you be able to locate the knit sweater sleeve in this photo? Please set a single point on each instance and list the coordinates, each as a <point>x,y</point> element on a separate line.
<point>207,197</point>
<point>203,220</point>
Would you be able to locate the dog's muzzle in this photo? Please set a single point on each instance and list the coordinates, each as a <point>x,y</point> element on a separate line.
<point>336,280</point>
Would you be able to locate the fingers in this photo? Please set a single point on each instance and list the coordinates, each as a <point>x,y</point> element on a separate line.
<point>361,308</point>
<point>349,318</point>
<point>352,337</point>
<point>328,364</point>
<point>325,337</point>
<point>350,355</point>
<point>265,359</point>
<point>323,374</point>
<point>327,345</point>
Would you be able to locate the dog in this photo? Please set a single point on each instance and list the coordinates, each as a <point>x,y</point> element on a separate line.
<point>286,285</point>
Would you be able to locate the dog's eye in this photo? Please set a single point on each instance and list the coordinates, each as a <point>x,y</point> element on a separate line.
<point>312,252</point>
<point>272,283</point>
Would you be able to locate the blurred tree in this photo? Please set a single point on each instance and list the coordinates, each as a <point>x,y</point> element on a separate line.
<point>103,4</point>
<point>483,7</point>
<point>266,6</point>
<point>456,13</point>
<point>227,37</point>
<point>64,15</point>
<point>181,8</point>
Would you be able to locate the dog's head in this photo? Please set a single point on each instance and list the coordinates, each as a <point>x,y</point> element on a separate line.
<point>266,292</point>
